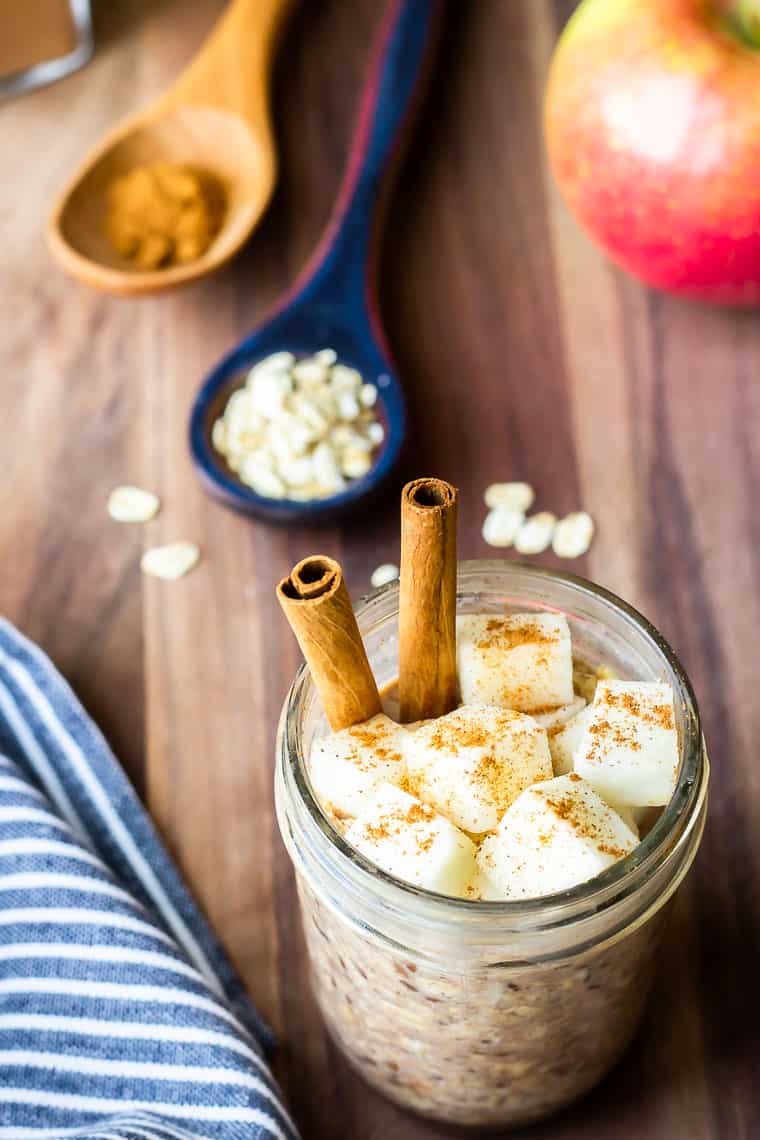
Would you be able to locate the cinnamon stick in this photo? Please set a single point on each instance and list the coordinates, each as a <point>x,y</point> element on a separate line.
<point>315,601</point>
<point>427,608</point>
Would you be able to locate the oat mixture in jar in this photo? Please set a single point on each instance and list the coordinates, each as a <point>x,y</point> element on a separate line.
<point>499,1046</point>
<point>488,1013</point>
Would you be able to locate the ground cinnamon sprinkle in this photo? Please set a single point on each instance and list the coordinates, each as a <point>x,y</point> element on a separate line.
<point>455,734</point>
<point>610,733</point>
<point>364,735</point>
<point>407,784</point>
<point>360,761</point>
<point>569,811</point>
<point>498,635</point>
<point>660,715</point>
<point>488,774</point>
<point>419,813</point>
<point>368,740</point>
<point>400,822</point>
<point>544,710</point>
<point>566,809</point>
<point>452,736</point>
<point>377,831</point>
<point>516,694</point>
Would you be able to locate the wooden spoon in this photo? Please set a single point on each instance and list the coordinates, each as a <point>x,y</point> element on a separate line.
<point>333,302</point>
<point>216,117</point>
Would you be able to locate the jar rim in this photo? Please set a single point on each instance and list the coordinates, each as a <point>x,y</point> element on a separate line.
<point>588,897</point>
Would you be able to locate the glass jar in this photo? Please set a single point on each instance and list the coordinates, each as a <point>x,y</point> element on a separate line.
<point>489,1013</point>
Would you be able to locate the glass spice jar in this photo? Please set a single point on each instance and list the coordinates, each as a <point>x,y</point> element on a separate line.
<point>42,42</point>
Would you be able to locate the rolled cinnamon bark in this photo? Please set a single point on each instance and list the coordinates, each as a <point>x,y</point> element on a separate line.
<point>315,601</point>
<point>427,609</point>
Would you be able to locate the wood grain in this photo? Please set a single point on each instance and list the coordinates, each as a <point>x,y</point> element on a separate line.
<point>525,355</point>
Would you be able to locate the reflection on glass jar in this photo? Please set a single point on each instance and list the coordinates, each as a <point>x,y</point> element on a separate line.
<point>499,1013</point>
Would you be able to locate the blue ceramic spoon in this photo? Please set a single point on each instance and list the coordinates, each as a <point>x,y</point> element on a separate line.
<point>333,302</point>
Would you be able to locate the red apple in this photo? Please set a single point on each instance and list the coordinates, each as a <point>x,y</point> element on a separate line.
<point>653,130</point>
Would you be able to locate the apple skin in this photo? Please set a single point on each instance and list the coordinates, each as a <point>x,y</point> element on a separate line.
<point>652,121</point>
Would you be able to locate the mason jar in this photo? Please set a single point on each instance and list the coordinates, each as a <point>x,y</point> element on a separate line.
<point>489,1013</point>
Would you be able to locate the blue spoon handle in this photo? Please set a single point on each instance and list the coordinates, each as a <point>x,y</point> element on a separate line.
<point>340,272</point>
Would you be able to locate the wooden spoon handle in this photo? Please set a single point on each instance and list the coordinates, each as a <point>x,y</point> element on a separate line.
<point>231,70</point>
<point>339,270</point>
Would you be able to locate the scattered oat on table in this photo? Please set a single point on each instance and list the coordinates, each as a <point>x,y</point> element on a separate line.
<point>132,504</point>
<point>381,575</point>
<point>506,524</point>
<point>501,526</point>
<point>573,535</point>
<point>536,533</point>
<point>171,561</point>
<point>512,496</point>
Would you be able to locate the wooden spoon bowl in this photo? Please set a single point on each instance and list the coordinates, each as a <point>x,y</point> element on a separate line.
<point>215,118</point>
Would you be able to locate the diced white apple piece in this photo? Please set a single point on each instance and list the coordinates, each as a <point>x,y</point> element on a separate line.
<point>407,838</point>
<point>347,767</point>
<point>555,835</point>
<point>564,741</point>
<point>629,748</point>
<point>553,718</point>
<point>629,816</point>
<point>521,661</point>
<point>473,762</point>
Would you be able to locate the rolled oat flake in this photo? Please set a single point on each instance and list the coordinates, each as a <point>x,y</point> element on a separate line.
<point>536,533</point>
<point>573,535</point>
<point>511,496</point>
<point>381,575</point>
<point>171,561</point>
<point>132,504</point>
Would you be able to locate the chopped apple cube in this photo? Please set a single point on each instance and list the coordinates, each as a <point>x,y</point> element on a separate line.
<point>473,762</point>
<point>564,741</point>
<point>555,835</point>
<point>347,767</point>
<point>521,661</point>
<point>553,718</point>
<point>411,841</point>
<point>629,748</point>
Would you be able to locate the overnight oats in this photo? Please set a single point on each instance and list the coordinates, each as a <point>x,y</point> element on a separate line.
<point>485,855</point>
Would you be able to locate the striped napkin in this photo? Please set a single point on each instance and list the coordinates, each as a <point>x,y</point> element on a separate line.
<point>120,1016</point>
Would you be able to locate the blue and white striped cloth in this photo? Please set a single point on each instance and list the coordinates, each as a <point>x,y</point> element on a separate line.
<point>120,1016</point>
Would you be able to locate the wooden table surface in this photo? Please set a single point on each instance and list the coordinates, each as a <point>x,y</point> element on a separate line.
<point>526,356</point>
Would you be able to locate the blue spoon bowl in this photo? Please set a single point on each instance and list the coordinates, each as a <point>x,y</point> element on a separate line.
<point>333,302</point>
